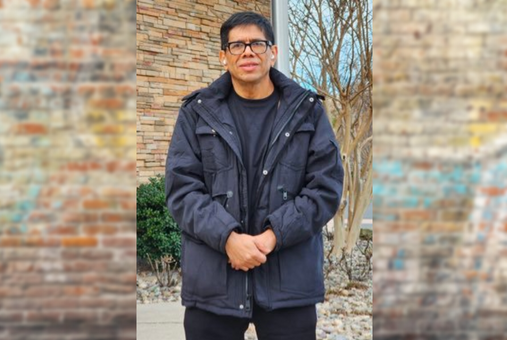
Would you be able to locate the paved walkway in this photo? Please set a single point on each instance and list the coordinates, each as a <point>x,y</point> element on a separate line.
<point>160,321</point>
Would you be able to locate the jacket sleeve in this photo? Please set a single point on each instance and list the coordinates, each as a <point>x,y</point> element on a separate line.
<point>304,216</point>
<point>187,198</point>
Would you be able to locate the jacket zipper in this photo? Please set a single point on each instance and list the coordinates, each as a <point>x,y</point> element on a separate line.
<point>247,300</point>
<point>217,124</point>
<point>285,193</point>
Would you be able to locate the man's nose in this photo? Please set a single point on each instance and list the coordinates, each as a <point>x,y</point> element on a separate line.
<point>248,48</point>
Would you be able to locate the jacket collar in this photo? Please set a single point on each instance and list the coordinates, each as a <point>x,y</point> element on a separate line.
<point>219,90</point>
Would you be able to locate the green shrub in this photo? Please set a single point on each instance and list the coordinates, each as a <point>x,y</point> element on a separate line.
<point>158,235</point>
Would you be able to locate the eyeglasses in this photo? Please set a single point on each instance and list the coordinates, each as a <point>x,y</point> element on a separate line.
<point>239,47</point>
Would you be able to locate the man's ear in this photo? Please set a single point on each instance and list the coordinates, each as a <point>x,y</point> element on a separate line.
<point>274,54</point>
<point>223,59</point>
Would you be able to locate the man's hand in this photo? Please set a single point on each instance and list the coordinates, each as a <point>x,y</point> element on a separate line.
<point>243,253</point>
<point>266,241</point>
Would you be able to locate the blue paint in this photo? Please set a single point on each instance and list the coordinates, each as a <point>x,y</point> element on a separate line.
<point>16,218</point>
<point>401,253</point>
<point>33,191</point>
<point>411,202</point>
<point>427,202</point>
<point>477,263</point>
<point>391,168</point>
<point>480,237</point>
<point>487,215</point>
<point>25,205</point>
<point>429,239</point>
<point>398,264</point>
<point>384,190</point>
<point>22,76</point>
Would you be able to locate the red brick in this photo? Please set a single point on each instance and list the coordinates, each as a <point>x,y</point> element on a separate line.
<point>121,166</point>
<point>39,241</point>
<point>88,4</point>
<point>43,316</point>
<point>75,217</point>
<point>43,291</point>
<point>116,193</point>
<point>496,116</point>
<point>80,290</point>
<point>118,289</point>
<point>63,230</point>
<point>119,242</point>
<point>493,191</point>
<point>83,166</point>
<point>82,241</point>
<point>11,292</point>
<point>81,316</point>
<point>118,217</point>
<point>102,302</point>
<point>41,217</point>
<point>10,316</point>
<point>20,266</point>
<point>129,205</point>
<point>10,241</point>
<point>417,215</point>
<point>60,303</point>
<point>31,129</point>
<point>100,229</point>
<point>96,204</point>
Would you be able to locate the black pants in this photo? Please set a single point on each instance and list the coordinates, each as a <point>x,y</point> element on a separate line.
<point>297,323</point>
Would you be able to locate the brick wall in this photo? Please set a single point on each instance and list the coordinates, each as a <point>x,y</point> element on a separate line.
<point>440,190</point>
<point>67,169</point>
<point>177,52</point>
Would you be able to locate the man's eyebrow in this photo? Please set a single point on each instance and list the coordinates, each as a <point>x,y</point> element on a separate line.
<point>249,40</point>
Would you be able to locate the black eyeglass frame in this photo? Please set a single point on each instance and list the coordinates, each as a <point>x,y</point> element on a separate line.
<point>227,46</point>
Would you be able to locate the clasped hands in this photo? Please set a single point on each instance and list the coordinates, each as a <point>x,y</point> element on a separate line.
<point>246,252</point>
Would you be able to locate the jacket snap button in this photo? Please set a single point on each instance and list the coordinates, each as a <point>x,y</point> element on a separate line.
<point>241,306</point>
<point>287,134</point>
<point>311,100</point>
<point>199,101</point>
<point>264,172</point>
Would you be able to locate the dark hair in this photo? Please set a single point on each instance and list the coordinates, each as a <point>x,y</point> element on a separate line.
<point>245,19</point>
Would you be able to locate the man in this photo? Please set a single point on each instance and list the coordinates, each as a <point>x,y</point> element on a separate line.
<point>252,175</point>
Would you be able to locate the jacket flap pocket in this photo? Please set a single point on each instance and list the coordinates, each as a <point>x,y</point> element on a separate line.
<point>306,127</point>
<point>204,130</point>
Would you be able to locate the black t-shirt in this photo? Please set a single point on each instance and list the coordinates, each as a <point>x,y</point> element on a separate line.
<point>253,119</point>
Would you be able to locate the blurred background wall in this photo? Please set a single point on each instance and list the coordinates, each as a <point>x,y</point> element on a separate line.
<point>440,169</point>
<point>177,52</point>
<point>67,169</point>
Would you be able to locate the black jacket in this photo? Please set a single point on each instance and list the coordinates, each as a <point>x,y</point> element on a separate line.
<point>206,192</point>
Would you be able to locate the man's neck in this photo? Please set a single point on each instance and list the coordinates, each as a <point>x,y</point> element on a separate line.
<point>253,91</point>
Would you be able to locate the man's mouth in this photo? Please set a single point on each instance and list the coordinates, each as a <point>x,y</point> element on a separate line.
<point>248,66</point>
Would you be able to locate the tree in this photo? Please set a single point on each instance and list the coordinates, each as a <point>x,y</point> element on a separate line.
<point>330,45</point>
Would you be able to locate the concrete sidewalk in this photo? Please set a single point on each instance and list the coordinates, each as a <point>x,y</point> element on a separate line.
<point>160,321</point>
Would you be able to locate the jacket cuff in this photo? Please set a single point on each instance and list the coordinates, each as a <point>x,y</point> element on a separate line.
<point>268,224</point>
<point>225,236</point>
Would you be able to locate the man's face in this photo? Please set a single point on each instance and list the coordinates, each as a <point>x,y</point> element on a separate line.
<point>248,67</point>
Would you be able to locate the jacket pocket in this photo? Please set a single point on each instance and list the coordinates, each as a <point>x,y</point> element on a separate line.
<point>295,156</point>
<point>204,271</point>
<point>301,268</point>
<point>215,154</point>
<point>287,183</point>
